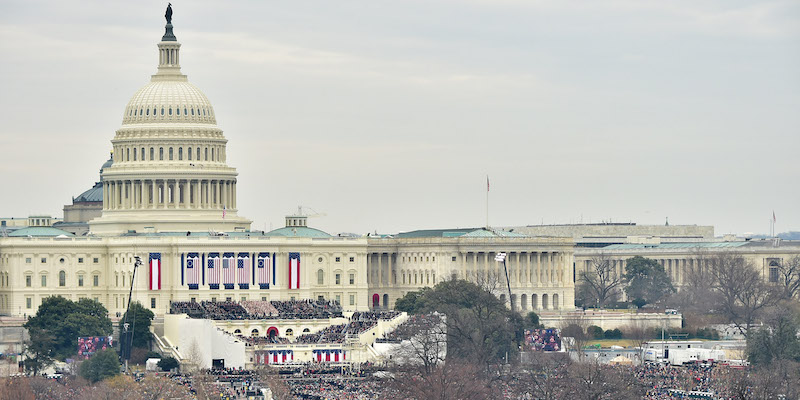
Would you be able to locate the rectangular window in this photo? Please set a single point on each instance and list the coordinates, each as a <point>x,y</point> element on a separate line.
<point>352,299</point>
<point>80,280</point>
<point>773,274</point>
<point>28,281</point>
<point>352,279</point>
<point>339,299</point>
<point>44,280</point>
<point>213,299</point>
<point>352,259</point>
<point>44,260</point>
<point>153,302</point>
<point>96,280</point>
<point>193,299</point>
<point>28,302</point>
<point>28,260</point>
<point>95,260</point>
<point>338,259</point>
<point>453,259</point>
<point>338,279</point>
<point>229,299</point>
<point>97,299</point>
<point>321,298</point>
<point>263,298</point>
<point>244,298</point>
<point>80,260</point>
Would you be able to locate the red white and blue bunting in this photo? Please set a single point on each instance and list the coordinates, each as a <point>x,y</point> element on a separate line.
<point>332,355</point>
<point>294,270</point>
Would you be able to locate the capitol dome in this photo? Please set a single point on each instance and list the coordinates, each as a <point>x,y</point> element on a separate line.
<point>165,101</point>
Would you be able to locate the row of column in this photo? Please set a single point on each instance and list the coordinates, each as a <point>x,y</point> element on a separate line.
<point>541,268</point>
<point>170,193</point>
<point>524,268</point>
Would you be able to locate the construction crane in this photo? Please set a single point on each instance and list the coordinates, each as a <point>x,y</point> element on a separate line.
<point>314,213</point>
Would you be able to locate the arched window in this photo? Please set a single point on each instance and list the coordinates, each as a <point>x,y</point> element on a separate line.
<point>134,154</point>
<point>170,111</point>
<point>177,111</point>
<point>180,153</point>
<point>197,155</point>
<point>161,153</point>
<point>184,111</point>
<point>170,153</point>
<point>62,278</point>
<point>189,153</point>
<point>212,154</point>
<point>127,154</point>
<point>152,154</point>
<point>162,110</point>
<point>254,333</point>
<point>206,157</point>
<point>142,156</point>
<point>320,277</point>
<point>148,112</point>
<point>193,111</point>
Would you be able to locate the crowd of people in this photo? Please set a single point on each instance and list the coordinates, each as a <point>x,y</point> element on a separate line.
<point>261,340</point>
<point>337,388</point>
<point>257,309</point>
<point>667,381</point>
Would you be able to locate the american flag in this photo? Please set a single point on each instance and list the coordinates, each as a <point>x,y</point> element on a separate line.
<point>213,269</point>
<point>228,266</point>
<point>264,268</point>
<point>193,268</point>
<point>243,266</point>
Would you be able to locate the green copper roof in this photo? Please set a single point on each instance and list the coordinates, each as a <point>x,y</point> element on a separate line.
<point>674,245</point>
<point>458,232</point>
<point>299,231</point>
<point>39,231</point>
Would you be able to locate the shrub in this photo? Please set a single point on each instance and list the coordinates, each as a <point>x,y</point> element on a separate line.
<point>168,364</point>
<point>595,332</point>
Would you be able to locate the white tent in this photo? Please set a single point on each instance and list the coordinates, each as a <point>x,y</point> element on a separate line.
<point>152,364</point>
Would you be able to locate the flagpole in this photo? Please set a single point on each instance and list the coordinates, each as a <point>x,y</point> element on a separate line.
<point>487,201</point>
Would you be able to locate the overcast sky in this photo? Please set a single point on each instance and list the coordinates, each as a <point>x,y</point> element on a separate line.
<point>388,115</point>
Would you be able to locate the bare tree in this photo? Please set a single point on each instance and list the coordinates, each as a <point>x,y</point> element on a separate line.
<point>743,293</point>
<point>573,332</point>
<point>426,348</point>
<point>601,283</point>
<point>638,334</point>
<point>194,357</point>
<point>452,380</point>
<point>280,390</point>
<point>543,378</point>
<point>789,277</point>
<point>595,381</point>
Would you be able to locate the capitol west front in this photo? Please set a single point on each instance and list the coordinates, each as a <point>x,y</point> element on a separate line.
<point>169,197</point>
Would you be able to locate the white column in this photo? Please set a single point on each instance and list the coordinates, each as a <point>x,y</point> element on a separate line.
<point>380,270</point>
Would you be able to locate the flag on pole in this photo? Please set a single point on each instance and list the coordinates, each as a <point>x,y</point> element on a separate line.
<point>487,183</point>
<point>501,257</point>
<point>155,271</point>
<point>224,211</point>
<point>773,217</point>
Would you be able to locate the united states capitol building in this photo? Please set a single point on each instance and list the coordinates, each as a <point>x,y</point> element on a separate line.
<point>168,197</point>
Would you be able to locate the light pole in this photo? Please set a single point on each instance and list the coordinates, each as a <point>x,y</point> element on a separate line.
<point>127,335</point>
<point>502,257</point>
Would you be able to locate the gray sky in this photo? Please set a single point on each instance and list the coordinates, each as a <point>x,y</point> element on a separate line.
<point>388,115</point>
